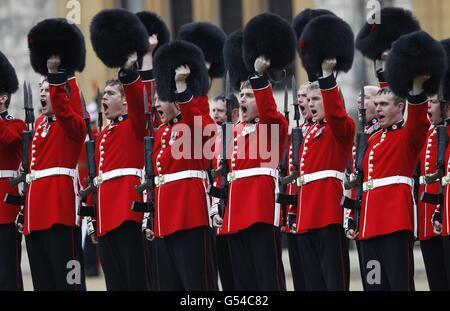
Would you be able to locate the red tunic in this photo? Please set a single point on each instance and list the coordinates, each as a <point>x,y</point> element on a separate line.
<point>393,152</point>
<point>57,142</point>
<point>119,146</point>
<point>252,199</point>
<point>326,146</point>
<point>10,157</point>
<point>445,211</point>
<point>181,204</point>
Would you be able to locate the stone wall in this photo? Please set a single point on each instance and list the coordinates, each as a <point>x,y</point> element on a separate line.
<point>17,17</point>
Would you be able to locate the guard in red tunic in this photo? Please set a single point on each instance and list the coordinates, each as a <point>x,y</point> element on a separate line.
<point>430,241</point>
<point>10,157</point>
<point>119,150</point>
<point>253,239</point>
<point>325,268</point>
<point>387,227</point>
<point>53,168</point>
<point>182,244</point>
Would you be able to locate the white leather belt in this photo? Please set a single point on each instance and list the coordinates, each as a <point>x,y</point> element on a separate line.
<point>167,178</point>
<point>54,171</point>
<point>102,177</point>
<point>387,181</point>
<point>8,174</point>
<point>250,172</point>
<point>307,178</point>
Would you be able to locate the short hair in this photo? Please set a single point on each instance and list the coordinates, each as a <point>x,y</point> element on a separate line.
<point>234,101</point>
<point>8,101</point>
<point>246,84</point>
<point>387,90</point>
<point>313,86</point>
<point>115,82</point>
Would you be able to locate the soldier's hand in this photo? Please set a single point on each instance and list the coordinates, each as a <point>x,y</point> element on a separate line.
<point>147,60</point>
<point>418,84</point>
<point>153,43</point>
<point>131,61</point>
<point>217,221</point>
<point>437,227</point>
<point>182,73</point>
<point>262,64</point>
<point>351,234</point>
<point>19,222</point>
<point>291,222</point>
<point>149,235</point>
<point>437,222</point>
<point>328,66</point>
<point>53,64</point>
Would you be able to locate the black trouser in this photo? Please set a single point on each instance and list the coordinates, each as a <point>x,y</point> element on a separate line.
<point>224,263</point>
<point>298,276</point>
<point>446,246</point>
<point>388,262</point>
<point>433,258</point>
<point>256,258</point>
<point>184,261</point>
<point>10,257</point>
<point>56,258</point>
<point>122,258</point>
<point>90,253</point>
<point>325,258</point>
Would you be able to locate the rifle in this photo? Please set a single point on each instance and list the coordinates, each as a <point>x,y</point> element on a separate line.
<point>357,178</point>
<point>442,142</point>
<point>222,171</point>
<point>149,180</point>
<point>27,137</point>
<point>89,211</point>
<point>98,102</point>
<point>282,196</point>
<point>297,138</point>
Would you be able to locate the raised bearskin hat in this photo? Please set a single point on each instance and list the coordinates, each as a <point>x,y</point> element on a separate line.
<point>446,82</point>
<point>116,34</point>
<point>172,55</point>
<point>413,55</point>
<point>155,25</point>
<point>56,36</point>
<point>8,78</point>
<point>304,17</point>
<point>210,39</point>
<point>326,37</point>
<point>271,36</point>
<point>234,63</point>
<point>374,39</point>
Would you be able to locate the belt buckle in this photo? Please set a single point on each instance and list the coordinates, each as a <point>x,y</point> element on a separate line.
<point>161,180</point>
<point>231,177</point>
<point>301,181</point>
<point>369,185</point>
<point>29,178</point>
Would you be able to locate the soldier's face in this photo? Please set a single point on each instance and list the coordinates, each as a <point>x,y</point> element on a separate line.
<point>248,105</point>
<point>44,95</point>
<point>302,99</point>
<point>434,110</point>
<point>166,110</point>
<point>315,104</point>
<point>370,92</point>
<point>219,111</point>
<point>114,104</point>
<point>388,112</point>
